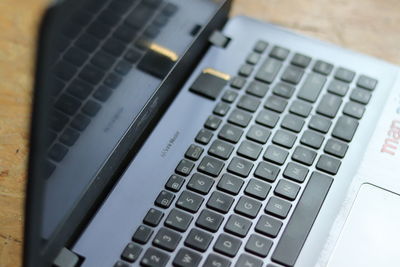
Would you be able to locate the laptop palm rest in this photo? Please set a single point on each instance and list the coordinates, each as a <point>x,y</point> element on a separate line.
<point>371,233</point>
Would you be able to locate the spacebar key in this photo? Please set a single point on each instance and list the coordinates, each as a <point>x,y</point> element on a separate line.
<point>303,217</point>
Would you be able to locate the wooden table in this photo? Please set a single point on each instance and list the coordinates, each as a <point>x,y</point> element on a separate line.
<point>369,26</point>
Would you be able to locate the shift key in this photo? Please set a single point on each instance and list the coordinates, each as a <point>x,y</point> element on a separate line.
<point>269,70</point>
<point>312,87</point>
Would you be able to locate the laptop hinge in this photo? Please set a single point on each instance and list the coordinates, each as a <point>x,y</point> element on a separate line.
<point>218,39</point>
<point>66,258</point>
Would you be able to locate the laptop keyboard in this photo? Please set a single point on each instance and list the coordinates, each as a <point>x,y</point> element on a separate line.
<point>101,44</point>
<point>285,118</point>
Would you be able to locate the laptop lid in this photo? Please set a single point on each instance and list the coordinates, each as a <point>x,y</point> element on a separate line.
<point>106,71</point>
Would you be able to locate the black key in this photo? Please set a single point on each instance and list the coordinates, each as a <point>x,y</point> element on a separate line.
<point>268,226</point>
<point>57,152</point>
<point>323,67</point>
<point>237,225</point>
<point>240,118</point>
<point>211,166</point>
<point>278,207</point>
<point>153,217</point>
<point>302,219</point>
<point>112,80</point>
<point>248,103</point>
<point>268,70</point>
<point>186,258</point>
<point>276,155</point>
<point>68,104</point>
<point>248,207</point>
<point>245,70</point>
<point>58,121</point>
<point>257,189</point>
<point>139,16</point>
<point>300,60</point>
<point>360,95</point>
<point>76,56</point>
<point>312,139</point>
<point>336,148</point>
<point>247,260</point>
<point>249,150</point>
<point>229,96</point>
<point>167,239</point>
<point>329,105</point>
<point>131,252</point>
<point>230,184</point>
<point>142,234</point>
<point>189,201</point>
<point>227,245</point>
<point>121,264</point>
<point>200,183</point>
<point>178,220</point>
<point>91,108</point>
<point>345,75</point>
<point>300,108</point>
<point>220,202</point>
<point>284,138</point>
<point>174,183</point>
<point>293,123</point>
<point>220,149</point>
<point>198,240</point>
<point>295,172</point>
<point>253,58</point>
<point>69,137</point>
<point>312,87</point>
<point>283,89</point>
<point>194,152</point>
<point>164,199</point>
<point>304,155</point>
<point>328,164</point>
<point>230,133</point>
<point>354,110</point>
<point>80,122</point>
<point>123,67</point>
<point>132,56</point>
<point>275,103</point>
<point>258,134</point>
<point>80,89</point>
<point>240,167</point>
<point>260,46</point>
<point>65,70</point>
<point>91,74</point>
<point>292,75</point>
<point>209,220</point>
<point>266,171</point>
<point>221,109</point>
<point>103,60</point>
<point>212,122</point>
<point>214,260</point>
<point>208,85</point>
<point>286,189</point>
<point>102,93</point>
<point>338,88</point>
<point>152,31</point>
<point>366,82</point>
<point>99,29</point>
<point>238,82</point>
<point>345,128</point>
<point>258,89</point>
<point>279,53</point>
<point>267,118</point>
<point>258,245</point>
<point>154,258</point>
<point>161,20</point>
<point>320,124</point>
<point>125,34</point>
<point>204,136</point>
<point>184,167</point>
<point>87,42</point>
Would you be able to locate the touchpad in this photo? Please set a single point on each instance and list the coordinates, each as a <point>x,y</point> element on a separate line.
<point>371,234</point>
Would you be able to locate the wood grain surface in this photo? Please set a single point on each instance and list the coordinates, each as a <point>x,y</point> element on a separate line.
<point>368,26</point>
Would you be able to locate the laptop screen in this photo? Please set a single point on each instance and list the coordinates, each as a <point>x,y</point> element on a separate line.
<point>105,62</point>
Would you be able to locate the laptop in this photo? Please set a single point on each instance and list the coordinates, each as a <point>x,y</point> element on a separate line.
<point>165,134</point>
